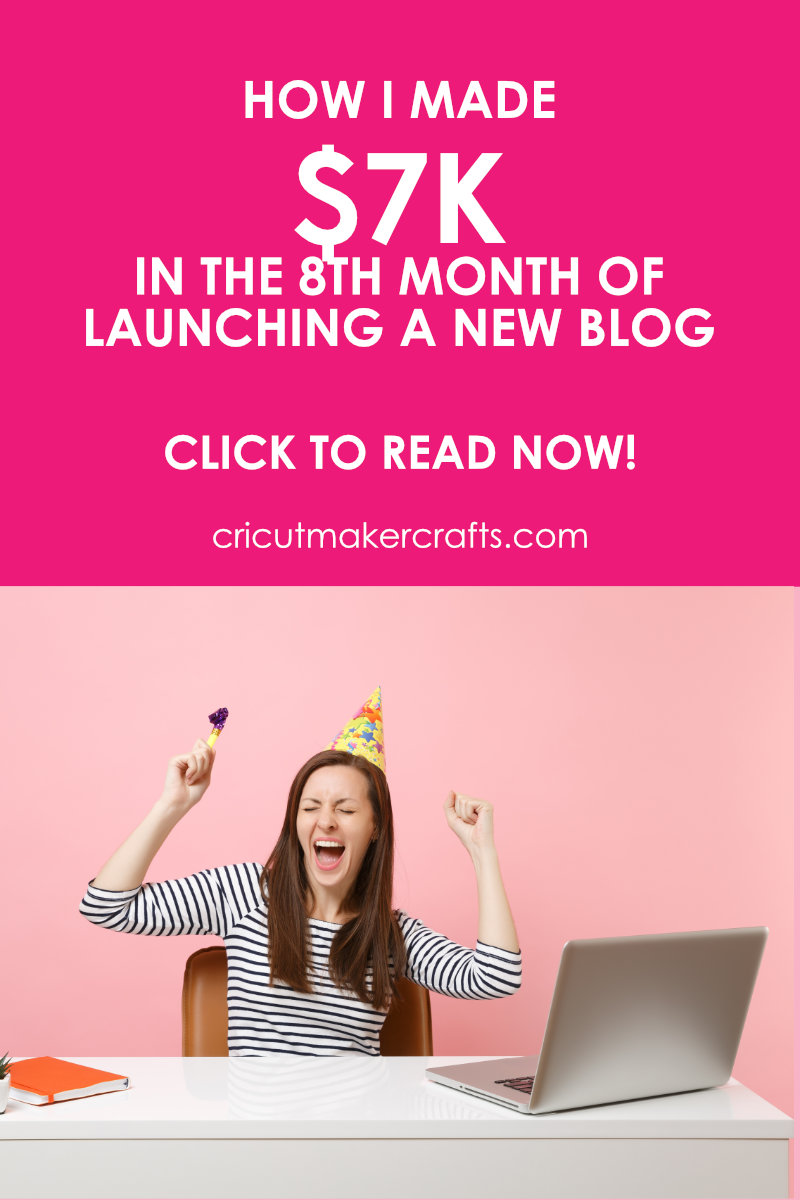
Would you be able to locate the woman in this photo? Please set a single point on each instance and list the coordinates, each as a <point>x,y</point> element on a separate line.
<point>312,941</point>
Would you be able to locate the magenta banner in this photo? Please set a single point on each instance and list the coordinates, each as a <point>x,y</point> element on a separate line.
<point>290,303</point>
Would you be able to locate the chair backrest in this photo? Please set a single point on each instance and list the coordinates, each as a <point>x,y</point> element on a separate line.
<point>407,1029</point>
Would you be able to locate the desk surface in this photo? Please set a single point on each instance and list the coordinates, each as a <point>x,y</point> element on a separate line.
<point>284,1097</point>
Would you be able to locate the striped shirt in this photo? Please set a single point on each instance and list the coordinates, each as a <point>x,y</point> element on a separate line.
<point>265,1018</point>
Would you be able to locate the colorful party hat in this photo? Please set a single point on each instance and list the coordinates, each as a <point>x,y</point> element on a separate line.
<point>363,735</point>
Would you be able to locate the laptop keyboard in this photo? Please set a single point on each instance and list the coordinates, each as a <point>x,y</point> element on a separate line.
<point>523,1083</point>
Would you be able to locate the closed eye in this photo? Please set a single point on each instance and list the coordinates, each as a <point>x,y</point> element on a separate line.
<point>313,806</point>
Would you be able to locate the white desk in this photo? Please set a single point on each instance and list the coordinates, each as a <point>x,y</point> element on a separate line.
<point>374,1127</point>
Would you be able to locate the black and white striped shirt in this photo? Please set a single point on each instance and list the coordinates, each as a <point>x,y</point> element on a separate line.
<point>266,1018</point>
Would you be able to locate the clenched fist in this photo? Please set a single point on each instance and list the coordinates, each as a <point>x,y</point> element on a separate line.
<point>188,776</point>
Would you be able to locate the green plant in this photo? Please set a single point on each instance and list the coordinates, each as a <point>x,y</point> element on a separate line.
<point>5,1064</point>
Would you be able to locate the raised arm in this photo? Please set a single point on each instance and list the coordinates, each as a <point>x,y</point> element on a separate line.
<point>188,777</point>
<point>211,901</point>
<point>472,822</point>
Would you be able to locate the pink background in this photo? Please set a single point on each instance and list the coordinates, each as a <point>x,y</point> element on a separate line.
<point>636,743</point>
<point>127,137</point>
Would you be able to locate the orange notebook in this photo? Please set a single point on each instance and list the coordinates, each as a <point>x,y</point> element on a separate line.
<point>48,1080</point>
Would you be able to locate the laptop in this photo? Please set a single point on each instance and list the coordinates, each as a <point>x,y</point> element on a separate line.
<point>630,1017</point>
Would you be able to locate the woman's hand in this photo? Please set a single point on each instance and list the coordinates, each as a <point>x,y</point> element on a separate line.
<point>188,776</point>
<point>472,821</point>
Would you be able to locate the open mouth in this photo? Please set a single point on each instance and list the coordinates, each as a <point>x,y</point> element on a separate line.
<point>328,854</point>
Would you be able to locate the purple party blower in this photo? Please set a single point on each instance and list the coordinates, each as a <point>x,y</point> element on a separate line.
<point>218,720</point>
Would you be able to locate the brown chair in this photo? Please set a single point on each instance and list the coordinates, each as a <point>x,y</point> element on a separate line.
<point>407,1029</point>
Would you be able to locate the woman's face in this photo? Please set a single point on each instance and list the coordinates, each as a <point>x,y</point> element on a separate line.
<point>335,825</point>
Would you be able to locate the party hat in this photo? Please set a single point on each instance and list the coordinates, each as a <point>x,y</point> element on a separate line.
<point>363,735</point>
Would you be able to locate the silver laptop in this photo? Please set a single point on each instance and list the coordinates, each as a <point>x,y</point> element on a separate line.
<point>630,1017</point>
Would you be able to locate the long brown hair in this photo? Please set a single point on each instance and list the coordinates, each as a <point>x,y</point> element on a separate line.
<point>368,951</point>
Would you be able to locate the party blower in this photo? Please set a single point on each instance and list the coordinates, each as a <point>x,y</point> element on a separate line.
<point>218,720</point>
